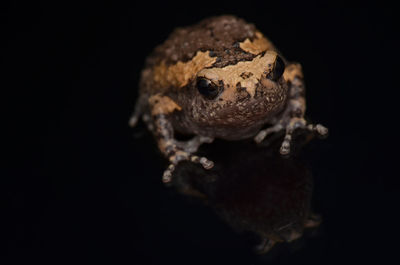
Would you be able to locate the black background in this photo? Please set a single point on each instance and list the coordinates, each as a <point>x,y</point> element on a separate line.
<point>81,186</point>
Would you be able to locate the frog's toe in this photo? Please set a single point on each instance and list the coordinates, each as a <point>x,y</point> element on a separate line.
<point>264,246</point>
<point>320,129</point>
<point>314,220</point>
<point>260,136</point>
<point>264,133</point>
<point>206,139</point>
<point>133,120</point>
<point>167,175</point>
<point>285,147</point>
<point>207,164</point>
<point>294,124</point>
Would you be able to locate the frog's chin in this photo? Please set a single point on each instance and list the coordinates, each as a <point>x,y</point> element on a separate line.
<point>263,109</point>
<point>247,114</point>
<point>255,112</point>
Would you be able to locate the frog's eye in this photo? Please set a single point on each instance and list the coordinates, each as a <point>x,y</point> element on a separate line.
<point>278,70</point>
<point>207,88</point>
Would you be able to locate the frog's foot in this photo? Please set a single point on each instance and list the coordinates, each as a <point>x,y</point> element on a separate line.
<point>295,123</point>
<point>181,155</point>
<point>193,144</point>
<point>183,150</point>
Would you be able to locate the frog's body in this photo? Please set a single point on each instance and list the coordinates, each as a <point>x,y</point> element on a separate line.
<point>222,79</point>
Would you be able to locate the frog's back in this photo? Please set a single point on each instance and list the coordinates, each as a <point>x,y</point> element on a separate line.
<point>213,42</point>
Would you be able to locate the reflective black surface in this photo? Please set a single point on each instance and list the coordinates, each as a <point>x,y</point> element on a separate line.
<point>254,189</point>
<point>80,186</point>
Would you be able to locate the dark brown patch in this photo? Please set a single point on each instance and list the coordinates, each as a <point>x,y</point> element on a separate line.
<point>246,75</point>
<point>241,93</point>
<point>219,34</point>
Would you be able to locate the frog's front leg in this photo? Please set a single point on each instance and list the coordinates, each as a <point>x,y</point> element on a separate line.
<point>293,116</point>
<point>161,109</point>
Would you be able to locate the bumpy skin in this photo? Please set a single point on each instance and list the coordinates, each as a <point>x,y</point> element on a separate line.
<point>246,85</point>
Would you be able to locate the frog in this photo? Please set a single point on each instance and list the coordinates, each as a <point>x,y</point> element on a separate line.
<point>219,79</point>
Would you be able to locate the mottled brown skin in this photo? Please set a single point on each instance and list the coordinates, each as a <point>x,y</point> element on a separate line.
<point>233,57</point>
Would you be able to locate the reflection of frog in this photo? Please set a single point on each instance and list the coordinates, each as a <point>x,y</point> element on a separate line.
<point>221,79</point>
<point>254,189</point>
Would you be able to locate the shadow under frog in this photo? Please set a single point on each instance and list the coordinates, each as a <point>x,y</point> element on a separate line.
<point>254,189</point>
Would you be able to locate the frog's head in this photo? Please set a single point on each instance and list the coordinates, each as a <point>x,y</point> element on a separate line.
<point>239,94</point>
<point>235,84</point>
